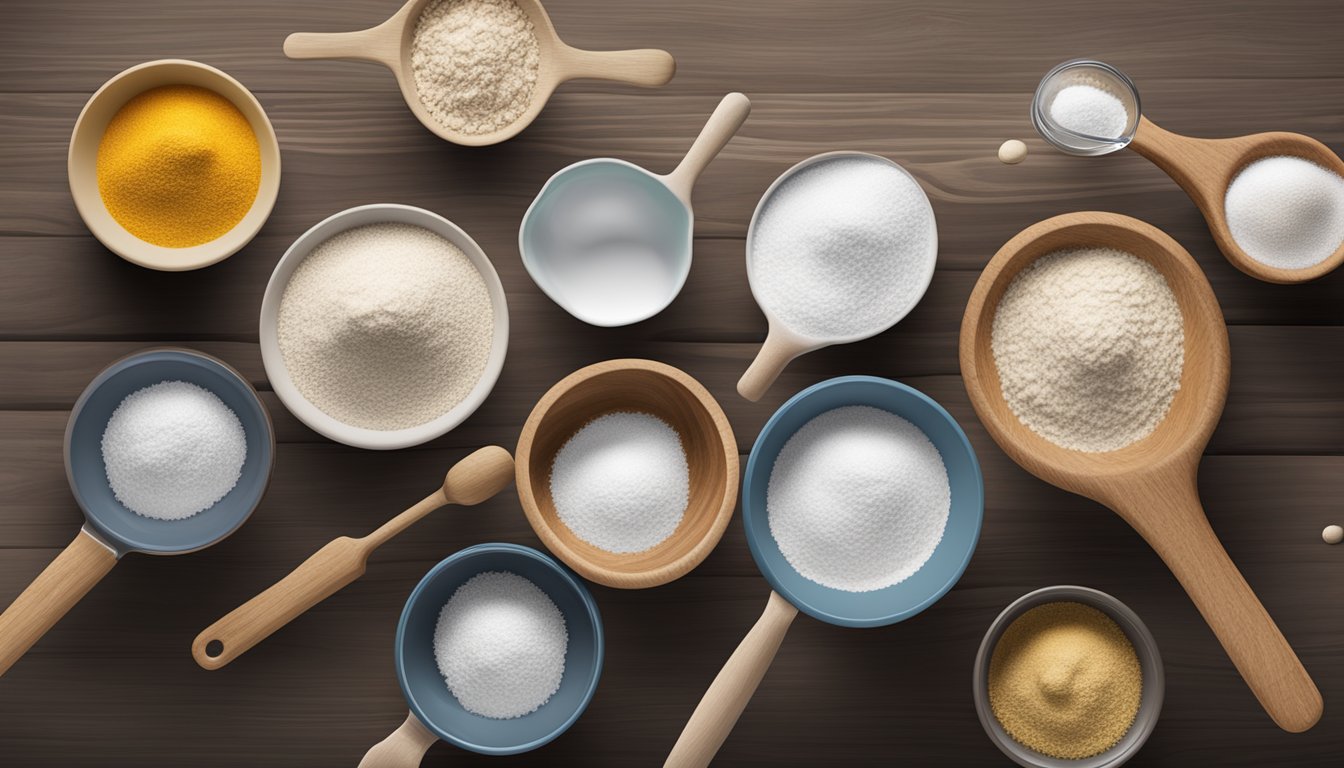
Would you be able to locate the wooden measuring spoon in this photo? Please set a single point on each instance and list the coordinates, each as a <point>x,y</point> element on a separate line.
<point>1205,167</point>
<point>389,44</point>
<point>1151,484</point>
<point>471,481</point>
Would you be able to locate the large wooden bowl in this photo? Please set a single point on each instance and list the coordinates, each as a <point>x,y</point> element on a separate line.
<point>1152,483</point>
<point>711,455</point>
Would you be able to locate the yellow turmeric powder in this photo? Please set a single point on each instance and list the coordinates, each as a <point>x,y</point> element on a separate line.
<point>1065,681</point>
<point>178,166</point>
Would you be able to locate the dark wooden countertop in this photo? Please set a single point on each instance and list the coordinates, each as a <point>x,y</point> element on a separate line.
<point>934,85</point>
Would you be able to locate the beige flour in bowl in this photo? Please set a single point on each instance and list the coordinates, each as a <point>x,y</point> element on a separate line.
<point>475,63</point>
<point>1089,345</point>
<point>385,326</point>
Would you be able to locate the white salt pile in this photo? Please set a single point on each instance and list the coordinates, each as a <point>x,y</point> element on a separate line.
<point>858,499</point>
<point>386,326</point>
<point>500,645</point>
<point>1089,347</point>
<point>621,483</point>
<point>1090,111</point>
<point>172,450</point>
<point>843,248</point>
<point>1286,212</point>
<point>475,63</point>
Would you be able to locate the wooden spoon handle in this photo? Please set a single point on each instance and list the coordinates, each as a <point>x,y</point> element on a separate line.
<point>775,354</point>
<point>718,131</point>
<point>1192,163</point>
<point>322,575</point>
<point>405,748</point>
<point>1172,520</point>
<point>381,44</point>
<point>52,594</point>
<point>647,67</point>
<point>728,695</point>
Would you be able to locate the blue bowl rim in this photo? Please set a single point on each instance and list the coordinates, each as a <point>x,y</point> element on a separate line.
<point>566,576</point>
<point>754,535</point>
<point>119,544</point>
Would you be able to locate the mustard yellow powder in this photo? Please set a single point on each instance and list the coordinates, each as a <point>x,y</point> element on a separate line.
<point>179,166</point>
<point>1065,681</point>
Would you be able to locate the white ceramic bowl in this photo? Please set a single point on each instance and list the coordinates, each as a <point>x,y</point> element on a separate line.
<point>82,161</point>
<point>278,374</point>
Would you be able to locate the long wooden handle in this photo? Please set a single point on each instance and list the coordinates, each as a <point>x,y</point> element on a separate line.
<point>1190,162</point>
<point>647,67</point>
<point>51,595</point>
<point>381,44</point>
<point>322,575</point>
<point>1172,520</point>
<point>775,354</point>
<point>728,695</point>
<point>718,131</point>
<point>405,748</point>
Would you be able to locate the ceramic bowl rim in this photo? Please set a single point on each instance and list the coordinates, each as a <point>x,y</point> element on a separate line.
<point>88,200</point>
<point>755,537</point>
<point>360,437</point>
<point>568,578</point>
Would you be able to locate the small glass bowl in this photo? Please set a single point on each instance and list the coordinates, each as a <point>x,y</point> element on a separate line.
<point>1098,75</point>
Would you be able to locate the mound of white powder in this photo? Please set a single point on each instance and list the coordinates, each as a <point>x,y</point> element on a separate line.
<point>1090,111</point>
<point>172,450</point>
<point>1286,212</point>
<point>500,645</point>
<point>475,63</point>
<point>386,326</point>
<point>858,499</point>
<point>1089,347</point>
<point>843,248</point>
<point>621,483</point>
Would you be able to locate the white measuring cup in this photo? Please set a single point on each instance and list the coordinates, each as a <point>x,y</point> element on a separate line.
<point>611,242</point>
<point>782,343</point>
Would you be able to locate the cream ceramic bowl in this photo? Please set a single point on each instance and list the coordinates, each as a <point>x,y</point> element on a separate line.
<point>278,374</point>
<point>82,162</point>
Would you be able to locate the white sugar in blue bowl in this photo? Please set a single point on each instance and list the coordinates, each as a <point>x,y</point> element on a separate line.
<point>435,710</point>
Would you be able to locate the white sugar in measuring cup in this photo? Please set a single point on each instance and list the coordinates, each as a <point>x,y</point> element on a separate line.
<point>782,343</point>
<point>611,242</point>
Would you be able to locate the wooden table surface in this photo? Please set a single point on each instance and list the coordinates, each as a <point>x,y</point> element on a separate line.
<point>934,85</point>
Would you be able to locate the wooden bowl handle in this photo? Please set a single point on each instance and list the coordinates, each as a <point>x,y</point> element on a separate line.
<point>1192,163</point>
<point>52,594</point>
<point>405,748</point>
<point>647,67</point>
<point>322,575</point>
<point>728,695</point>
<point>1171,518</point>
<point>380,44</point>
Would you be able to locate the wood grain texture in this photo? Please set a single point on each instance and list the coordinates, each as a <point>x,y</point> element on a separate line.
<point>936,86</point>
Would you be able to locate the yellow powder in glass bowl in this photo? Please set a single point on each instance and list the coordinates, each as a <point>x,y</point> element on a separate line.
<point>1065,681</point>
<point>179,166</point>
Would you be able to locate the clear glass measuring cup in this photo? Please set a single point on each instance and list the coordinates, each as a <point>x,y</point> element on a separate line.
<point>1098,75</point>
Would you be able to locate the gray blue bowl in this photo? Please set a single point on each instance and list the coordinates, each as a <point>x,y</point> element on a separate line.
<point>423,685</point>
<point>120,528</point>
<point>949,559</point>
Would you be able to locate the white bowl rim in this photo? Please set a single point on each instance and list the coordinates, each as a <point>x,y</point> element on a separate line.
<point>278,373</point>
<point>814,342</point>
<point>592,318</point>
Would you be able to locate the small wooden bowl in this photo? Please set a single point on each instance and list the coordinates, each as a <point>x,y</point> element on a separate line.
<point>390,43</point>
<point>1150,484</point>
<point>711,454</point>
<point>1205,168</point>
<point>82,164</point>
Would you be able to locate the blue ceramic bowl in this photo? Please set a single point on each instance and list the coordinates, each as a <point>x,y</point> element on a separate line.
<point>120,528</point>
<point>428,694</point>
<point>949,559</point>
